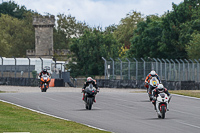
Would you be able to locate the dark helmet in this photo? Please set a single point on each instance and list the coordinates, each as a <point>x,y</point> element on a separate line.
<point>44,70</point>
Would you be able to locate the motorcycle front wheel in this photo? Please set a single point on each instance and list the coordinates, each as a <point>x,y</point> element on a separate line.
<point>89,102</point>
<point>163,112</point>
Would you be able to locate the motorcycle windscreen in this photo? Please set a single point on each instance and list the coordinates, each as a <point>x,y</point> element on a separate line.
<point>162,95</point>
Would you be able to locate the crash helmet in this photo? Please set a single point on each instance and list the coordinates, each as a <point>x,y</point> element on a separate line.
<point>89,79</point>
<point>153,73</point>
<point>160,88</point>
<point>44,70</point>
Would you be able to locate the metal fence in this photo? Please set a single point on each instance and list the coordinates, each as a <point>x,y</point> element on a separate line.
<point>137,69</point>
<point>29,67</point>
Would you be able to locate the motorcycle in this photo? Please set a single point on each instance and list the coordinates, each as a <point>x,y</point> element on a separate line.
<point>153,83</point>
<point>89,97</point>
<point>162,105</point>
<point>44,82</point>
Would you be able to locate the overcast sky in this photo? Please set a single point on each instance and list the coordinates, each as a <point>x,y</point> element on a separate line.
<point>98,12</point>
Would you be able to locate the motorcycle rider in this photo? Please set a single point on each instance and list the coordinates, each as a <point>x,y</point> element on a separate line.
<point>149,76</point>
<point>89,81</point>
<point>158,90</point>
<point>43,72</point>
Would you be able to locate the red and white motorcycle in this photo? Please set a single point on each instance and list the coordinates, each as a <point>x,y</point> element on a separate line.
<point>162,104</point>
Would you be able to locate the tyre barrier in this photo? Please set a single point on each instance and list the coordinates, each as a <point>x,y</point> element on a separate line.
<point>29,82</point>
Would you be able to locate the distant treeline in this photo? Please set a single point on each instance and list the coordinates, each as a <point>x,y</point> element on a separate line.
<point>174,35</point>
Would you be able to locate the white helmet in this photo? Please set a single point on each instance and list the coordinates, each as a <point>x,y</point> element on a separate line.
<point>160,88</point>
<point>89,79</point>
<point>153,73</point>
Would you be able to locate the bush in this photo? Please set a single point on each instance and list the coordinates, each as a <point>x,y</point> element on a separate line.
<point>34,73</point>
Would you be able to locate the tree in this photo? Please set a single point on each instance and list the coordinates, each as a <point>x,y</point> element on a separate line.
<point>67,28</point>
<point>12,9</point>
<point>146,38</point>
<point>16,36</point>
<point>125,29</point>
<point>166,36</point>
<point>88,52</point>
<point>178,26</point>
<point>193,48</point>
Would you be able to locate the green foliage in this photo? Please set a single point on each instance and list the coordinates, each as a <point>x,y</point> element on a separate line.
<point>67,28</point>
<point>166,36</point>
<point>194,47</point>
<point>16,36</point>
<point>88,52</point>
<point>146,38</point>
<point>14,10</point>
<point>127,25</point>
<point>34,74</point>
<point>17,119</point>
<point>111,28</point>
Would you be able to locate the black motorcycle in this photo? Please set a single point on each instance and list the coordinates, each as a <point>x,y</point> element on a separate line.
<point>90,93</point>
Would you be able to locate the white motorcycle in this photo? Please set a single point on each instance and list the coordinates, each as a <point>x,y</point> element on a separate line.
<point>162,104</point>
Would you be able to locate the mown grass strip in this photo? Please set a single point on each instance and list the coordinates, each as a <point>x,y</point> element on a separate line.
<point>2,91</point>
<point>17,119</point>
<point>191,93</point>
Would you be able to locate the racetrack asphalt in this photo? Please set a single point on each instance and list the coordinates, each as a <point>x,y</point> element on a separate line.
<point>116,110</point>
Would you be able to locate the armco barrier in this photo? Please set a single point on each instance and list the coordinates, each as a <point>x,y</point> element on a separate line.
<point>27,82</point>
<point>106,83</point>
<point>19,81</point>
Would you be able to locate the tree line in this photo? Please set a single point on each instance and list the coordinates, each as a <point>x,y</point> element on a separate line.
<point>173,35</point>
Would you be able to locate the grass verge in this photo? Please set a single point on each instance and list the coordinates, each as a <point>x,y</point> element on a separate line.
<point>17,119</point>
<point>191,93</point>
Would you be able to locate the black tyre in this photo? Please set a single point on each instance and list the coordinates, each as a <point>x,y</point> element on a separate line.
<point>45,88</point>
<point>163,112</point>
<point>90,102</point>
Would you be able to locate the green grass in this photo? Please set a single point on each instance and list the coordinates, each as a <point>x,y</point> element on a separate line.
<point>17,119</point>
<point>192,93</point>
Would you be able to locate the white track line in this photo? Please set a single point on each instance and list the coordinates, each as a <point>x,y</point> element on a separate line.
<point>188,124</point>
<point>186,96</point>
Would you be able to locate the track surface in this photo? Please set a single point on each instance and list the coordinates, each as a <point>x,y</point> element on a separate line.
<point>115,112</point>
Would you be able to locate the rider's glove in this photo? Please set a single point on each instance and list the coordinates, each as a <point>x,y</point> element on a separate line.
<point>83,90</point>
<point>154,98</point>
<point>98,90</point>
<point>146,82</point>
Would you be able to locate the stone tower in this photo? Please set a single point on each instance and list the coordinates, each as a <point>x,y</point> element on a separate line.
<point>44,36</point>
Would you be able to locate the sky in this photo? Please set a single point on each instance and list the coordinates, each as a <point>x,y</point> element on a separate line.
<point>98,12</point>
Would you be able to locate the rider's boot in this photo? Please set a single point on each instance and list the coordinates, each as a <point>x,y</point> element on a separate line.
<point>168,107</point>
<point>154,103</point>
<point>94,99</point>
